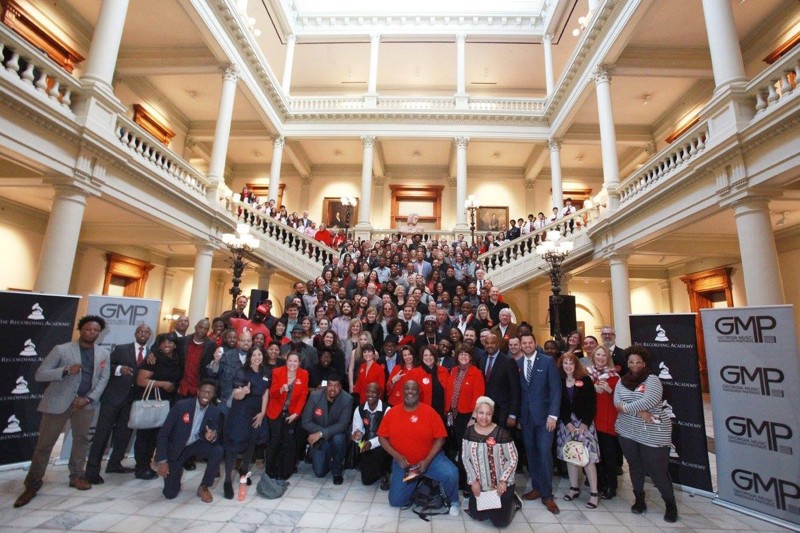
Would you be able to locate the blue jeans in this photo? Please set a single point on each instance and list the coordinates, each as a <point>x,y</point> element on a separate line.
<point>328,455</point>
<point>441,469</point>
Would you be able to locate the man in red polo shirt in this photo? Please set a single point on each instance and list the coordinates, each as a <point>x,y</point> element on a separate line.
<point>256,325</point>
<point>414,435</point>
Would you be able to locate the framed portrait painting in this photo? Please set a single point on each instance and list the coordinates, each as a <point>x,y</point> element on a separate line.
<point>491,218</point>
<point>334,213</point>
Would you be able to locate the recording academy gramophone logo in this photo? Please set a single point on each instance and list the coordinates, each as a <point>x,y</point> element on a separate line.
<point>21,387</point>
<point>28,349</point>
<point>661,335</point>
<point>37,313</point>
<point>12,425</point>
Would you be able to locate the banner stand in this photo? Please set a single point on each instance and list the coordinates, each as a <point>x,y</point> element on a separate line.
<point>695,492</point>
<point>15,466</point>
<point>756,514</point>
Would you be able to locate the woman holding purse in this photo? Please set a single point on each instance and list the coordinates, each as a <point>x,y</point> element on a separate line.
<point>490,460</point>
<point>644,430</point>
<point>288,393</point>
<point>576,422</point>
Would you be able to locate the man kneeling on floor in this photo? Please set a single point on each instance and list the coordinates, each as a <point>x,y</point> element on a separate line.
<point>190,431</point>
<point>414,435</point>
<point>326,417</point>
<point>374,461</point>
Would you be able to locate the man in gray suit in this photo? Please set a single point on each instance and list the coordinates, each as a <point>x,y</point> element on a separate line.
<point>115,407</point>
<point>326,418</point>
<point>77,373</point>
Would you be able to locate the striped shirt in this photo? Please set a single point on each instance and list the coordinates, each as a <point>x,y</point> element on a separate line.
<point>646,397</point>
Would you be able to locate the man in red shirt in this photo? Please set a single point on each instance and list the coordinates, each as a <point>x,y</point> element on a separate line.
<point>256,325</point>
<point>414,435</point>
<point>323,235</point>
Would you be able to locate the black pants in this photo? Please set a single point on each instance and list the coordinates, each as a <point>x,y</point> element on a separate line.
<point>374,465</point>
<point>459,428</point>
<point>607,467</point>
<point>653,461</point>
<point>144,447</point>
<point>112,423</point>
<point>201,449</point>
<point>281,452</point>
<point>499,517</point>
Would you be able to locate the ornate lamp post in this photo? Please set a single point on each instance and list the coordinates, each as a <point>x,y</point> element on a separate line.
<point>554,252</point>
<point>239,244</point>
<point>471,205</point>
<point>349,203</point>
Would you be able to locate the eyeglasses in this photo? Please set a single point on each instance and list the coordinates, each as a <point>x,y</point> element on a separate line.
<point>636,363</point>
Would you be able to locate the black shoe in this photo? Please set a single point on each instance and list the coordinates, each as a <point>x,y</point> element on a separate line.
<point>385,482</point>
<point>639,506</point>
<point>190,465</point>
<point>119,469</point>
<point>608,494</point>
<point>671,514</point>
<point>95,479</point>
<point>338,480</point>
<point>619,470</point>
<point>227,487</point>
<point>146,474</point>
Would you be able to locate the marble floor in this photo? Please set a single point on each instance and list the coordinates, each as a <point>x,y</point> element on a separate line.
<point>128,505</point>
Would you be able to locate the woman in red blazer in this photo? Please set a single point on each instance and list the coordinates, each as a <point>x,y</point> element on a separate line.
<point>400,374</point>
<point>287,397</point>
<point>370,371</point>
<point>464,386</point>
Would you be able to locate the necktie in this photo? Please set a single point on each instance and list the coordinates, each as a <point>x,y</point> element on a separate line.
<point>489,366</point>
<point>140,356</point>
<point>528,369</point>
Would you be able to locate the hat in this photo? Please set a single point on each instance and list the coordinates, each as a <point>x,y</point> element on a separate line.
<point>430,318</point>
<point>263,309</point>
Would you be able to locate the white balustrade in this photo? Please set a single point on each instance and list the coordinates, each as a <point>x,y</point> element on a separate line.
<point>270,229</point>
<point>480,104</point>
<point>776,83</point>
<point>325,103</point>
<point>415,103</point>
<point>383,233</point>
<point>667,161</point>
<point>149,151</point>
<point>507,105</point>
<point>33,71</point>
<point>570,227</point>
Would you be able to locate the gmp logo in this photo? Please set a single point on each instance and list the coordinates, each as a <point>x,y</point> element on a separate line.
<point>778,489</point>
<point>758,380</point>
<point>771,432</point>
<point>130,314</point>
<point>750,329</point>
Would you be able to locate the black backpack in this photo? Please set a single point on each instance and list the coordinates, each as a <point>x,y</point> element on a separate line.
<point>428,499</point>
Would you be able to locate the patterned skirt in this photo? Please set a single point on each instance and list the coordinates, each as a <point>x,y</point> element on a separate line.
<point>588,438</point>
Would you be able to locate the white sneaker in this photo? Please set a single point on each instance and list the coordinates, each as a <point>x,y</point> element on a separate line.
<point>454,510</point>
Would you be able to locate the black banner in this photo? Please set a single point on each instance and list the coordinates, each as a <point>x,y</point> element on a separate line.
<point>32,324</point>
<point>672,339</point>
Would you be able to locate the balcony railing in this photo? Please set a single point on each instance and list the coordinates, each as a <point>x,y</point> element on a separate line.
<point>402,104</point>
<point>30,69</point>
<point>776,83</point>
<point>149,151</point>
<point>669,160</point>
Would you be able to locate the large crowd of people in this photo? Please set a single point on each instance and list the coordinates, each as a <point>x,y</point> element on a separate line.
<point>400,359</point>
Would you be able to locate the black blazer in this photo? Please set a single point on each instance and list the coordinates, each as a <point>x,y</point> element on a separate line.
<point>120,388</point>
<point>502,386</point>
<point>583,403</point>
<point>175,432</point>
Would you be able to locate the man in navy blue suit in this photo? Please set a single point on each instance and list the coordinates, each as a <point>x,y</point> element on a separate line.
<point>540,386</point>
<point>191,430</point>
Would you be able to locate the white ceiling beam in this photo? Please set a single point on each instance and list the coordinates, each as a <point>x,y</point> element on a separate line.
<point>539,156</point>
<point>253,130</point>
<point>168,61</point>
<point>590,134</point>
<point>663,62</point>
<point>298,157</point>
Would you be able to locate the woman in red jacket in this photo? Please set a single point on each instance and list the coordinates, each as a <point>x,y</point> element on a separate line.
<point>369,372</point>
<point>605,378</point>
<point>287,397</point>
<point>399,376</point>
<point>464,386</point>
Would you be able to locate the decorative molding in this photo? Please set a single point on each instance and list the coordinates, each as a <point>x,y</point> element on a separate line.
<point>279,143</point>
<point>230,72</point>
<point>152,125</point>
<point>461,142</point>
<point>783,49</point>
<point>601,74</point>
<point>683,129</point>
<point>368,141</point>
<point>133,270</point>
<point>554,145</point>
<point>32,30</point>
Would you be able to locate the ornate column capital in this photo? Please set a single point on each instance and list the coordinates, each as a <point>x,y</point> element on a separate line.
<point>452,182</point>
<point>279,143</point>
<point>230,72</point>
<point>306,180</point>
<point>368,141</point>
<point>461,36</point>
<point>379,181</point>
<point>291,39</point>
<point>529,184</point>
<point>554,145</point>
<point>649,148</point>
<point>374,37</point>
<point>547,37</point>
<point>461,142</point>
<point>601,73</point>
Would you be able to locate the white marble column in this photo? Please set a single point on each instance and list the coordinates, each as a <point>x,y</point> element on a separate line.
<point>461,76</point>
<point>288,63</point>
<point>547,43</point>
<point>201,280</point>
<point>620,297</point>
<point>371,96</point>
<point>275,169</point>
<point>723,43</point>
<point>103,52</point>
<point>608,134</point>
<point>762,276</point>
<point>60,241</point>
<point>222,131</point>
<point>264,277</point>
<point>461,183</point>
<point>365,209</point>
<point>555,173</point>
